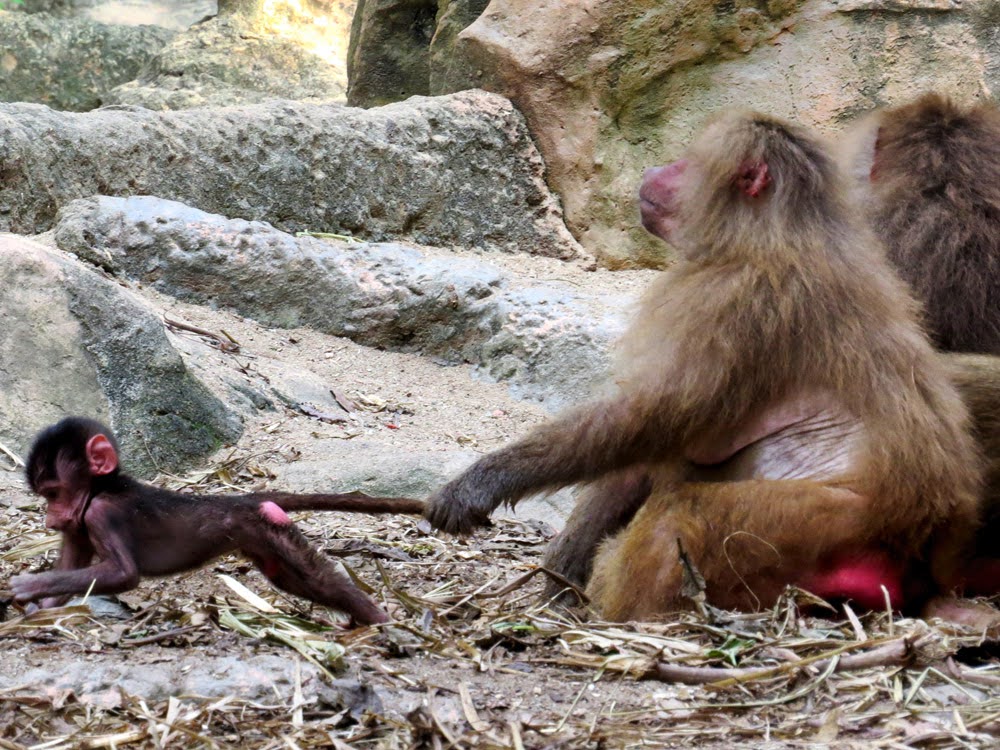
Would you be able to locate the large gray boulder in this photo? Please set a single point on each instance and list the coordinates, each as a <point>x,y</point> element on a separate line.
<point>70,63</point>
<point>549,340</point>
<point>75,342</point>
<point>402,48</point>
<point>389,54</point>
<point>170,14</point>
<point>451,171</point>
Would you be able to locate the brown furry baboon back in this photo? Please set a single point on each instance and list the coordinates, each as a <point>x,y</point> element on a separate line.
<point>935,184</point>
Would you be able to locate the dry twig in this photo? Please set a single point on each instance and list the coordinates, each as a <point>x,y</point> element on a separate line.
<point>897,653</point>
<point>224,342</point>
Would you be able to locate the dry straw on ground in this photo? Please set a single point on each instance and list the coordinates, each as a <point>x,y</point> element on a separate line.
<point>472,638</point>
<point>476,660</point>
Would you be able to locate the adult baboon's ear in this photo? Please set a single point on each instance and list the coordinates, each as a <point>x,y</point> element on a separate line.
<point>752,178</point>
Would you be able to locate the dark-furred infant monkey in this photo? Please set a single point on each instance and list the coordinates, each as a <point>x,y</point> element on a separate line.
<point>134,529</point>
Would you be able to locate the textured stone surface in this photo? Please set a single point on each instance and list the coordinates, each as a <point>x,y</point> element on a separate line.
<point>170,14</point>
<point>547,339</point>
<point>290,52</point>
<point>449,171</point>
<point>389,54</point>
<point>264,678</point>
<point>74,342</point>
<point>69,63</point>
<point>448,71</point>
<point>373,468</point>
<point>378,470</point>
<point>402,48</point>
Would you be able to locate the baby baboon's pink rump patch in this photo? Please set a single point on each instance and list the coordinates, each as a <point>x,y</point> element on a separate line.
<point>273,513</point>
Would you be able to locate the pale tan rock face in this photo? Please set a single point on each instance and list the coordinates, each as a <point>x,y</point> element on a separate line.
<point>611,86</point>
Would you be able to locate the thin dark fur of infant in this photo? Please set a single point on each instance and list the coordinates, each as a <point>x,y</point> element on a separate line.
<point>134,529</point>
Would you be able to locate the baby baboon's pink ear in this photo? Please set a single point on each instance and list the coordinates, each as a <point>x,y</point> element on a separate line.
<point>101,455</point>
